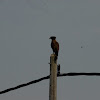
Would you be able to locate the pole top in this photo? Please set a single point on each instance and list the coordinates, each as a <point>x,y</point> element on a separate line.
<point>52,54</point>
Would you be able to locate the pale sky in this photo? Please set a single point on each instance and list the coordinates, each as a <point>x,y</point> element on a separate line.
<point>25,28</point>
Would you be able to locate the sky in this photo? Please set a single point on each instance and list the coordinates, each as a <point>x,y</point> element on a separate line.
<point>25,28</point>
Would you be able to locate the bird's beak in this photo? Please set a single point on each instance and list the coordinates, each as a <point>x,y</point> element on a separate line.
<point>49,38</point>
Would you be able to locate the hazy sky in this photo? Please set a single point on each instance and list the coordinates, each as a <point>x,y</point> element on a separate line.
<point>25,28</point>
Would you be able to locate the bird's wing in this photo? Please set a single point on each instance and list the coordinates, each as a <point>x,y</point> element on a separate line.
<point>57,45</point>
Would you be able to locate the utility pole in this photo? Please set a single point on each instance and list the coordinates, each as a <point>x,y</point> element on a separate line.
<point>53,78</point>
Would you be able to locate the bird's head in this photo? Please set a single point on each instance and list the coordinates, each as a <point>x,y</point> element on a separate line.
<point>52,37</point>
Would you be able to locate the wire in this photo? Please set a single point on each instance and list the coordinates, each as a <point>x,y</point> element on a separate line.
<point>47,77</point>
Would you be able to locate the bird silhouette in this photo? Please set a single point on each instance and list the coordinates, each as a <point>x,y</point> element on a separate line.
<point>54,46</point>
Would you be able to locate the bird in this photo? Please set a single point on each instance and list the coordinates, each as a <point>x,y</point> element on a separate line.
<point>54,46</point>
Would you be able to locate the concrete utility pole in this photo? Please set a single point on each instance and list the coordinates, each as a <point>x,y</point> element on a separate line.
<point>53,79</point>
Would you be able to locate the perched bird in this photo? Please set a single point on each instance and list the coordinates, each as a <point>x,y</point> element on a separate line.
<point>54,46</point>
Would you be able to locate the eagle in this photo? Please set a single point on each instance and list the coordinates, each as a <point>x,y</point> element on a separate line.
<point>54,46</point>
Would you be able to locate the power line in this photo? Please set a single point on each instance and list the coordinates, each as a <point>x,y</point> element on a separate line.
<point>47,77</point>
<point>23,85</point>
<point>79,74</point>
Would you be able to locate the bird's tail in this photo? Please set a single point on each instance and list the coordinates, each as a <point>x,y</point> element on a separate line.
<point>56,56</point>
